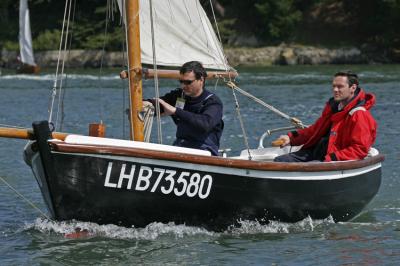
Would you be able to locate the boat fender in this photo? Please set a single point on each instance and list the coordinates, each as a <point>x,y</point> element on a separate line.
<point>360,108</point>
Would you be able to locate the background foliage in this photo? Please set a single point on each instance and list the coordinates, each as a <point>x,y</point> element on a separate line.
<point>363,23</point>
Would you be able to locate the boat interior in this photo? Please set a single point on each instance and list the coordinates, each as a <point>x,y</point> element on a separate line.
<point>260,154</point>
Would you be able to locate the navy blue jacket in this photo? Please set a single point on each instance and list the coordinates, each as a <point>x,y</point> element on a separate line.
<point>199,123</point>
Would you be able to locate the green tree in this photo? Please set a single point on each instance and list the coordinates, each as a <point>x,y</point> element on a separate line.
<point>278,19</point>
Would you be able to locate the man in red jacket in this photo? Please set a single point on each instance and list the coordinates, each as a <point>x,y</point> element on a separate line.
<point>346,129</point>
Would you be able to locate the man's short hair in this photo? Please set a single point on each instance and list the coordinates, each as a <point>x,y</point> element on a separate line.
<point>196,67</point>
<point>351,77</point>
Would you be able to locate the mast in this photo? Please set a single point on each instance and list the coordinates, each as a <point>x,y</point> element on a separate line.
<point>134,68</point>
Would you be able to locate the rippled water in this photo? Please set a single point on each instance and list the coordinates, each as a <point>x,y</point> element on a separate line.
<point>27,238</point>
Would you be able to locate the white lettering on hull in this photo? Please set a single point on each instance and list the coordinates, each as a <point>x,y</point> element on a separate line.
<point>107,182</point>
<point>159,179</point>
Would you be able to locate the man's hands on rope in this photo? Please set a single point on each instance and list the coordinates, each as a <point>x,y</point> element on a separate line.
<point>147,104</point>
<point>282,141</point>
<point>168,109</point>
<point>123,74</point>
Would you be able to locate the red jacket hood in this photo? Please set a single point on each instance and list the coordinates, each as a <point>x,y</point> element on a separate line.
<point>366,100</point>
<point>369,100</point>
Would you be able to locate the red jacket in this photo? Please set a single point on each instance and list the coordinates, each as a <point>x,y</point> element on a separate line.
<point>352,130</point>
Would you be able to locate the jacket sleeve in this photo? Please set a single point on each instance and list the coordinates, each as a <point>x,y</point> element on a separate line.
<point>362,137</point>
<point>207,119</point>
<point>170,98</point>
<point>301,136</point>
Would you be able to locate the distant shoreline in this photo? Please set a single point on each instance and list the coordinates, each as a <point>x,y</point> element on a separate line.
<point>263,56</point>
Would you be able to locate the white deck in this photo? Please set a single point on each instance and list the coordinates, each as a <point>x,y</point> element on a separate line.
<point>86,140</point>
<point>264,154</point>
<point>268,154</point>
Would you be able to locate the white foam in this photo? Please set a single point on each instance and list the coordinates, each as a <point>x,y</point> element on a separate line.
<point>150,232</point>
<point>157,230</point>
<point>275,227</point>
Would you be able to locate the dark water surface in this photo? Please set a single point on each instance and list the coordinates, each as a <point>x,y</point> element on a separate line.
<point>25,238</point>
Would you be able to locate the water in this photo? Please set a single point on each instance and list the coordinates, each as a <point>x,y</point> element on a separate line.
<point>27,238</point>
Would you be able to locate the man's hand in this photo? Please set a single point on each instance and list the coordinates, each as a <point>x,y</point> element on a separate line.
<point>168,109</point>
<point>123,74</point>
<point>282,141</point>
<point>147,104</point>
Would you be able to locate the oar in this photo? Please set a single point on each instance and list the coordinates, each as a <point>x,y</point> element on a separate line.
<point>24,133</point>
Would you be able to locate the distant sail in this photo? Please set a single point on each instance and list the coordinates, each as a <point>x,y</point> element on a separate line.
<point>182,33</point>
<point>25,37</point>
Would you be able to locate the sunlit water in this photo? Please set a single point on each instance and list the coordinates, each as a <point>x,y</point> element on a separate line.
<point>28,238</point>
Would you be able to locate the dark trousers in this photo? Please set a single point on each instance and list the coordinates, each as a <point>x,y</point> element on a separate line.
<point>298,156</point>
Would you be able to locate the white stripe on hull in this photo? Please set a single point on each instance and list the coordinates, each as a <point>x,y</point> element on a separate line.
<point>284,175</point>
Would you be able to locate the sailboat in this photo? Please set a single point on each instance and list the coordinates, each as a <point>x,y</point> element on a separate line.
<point>134,183</point>
<point>28,65</point>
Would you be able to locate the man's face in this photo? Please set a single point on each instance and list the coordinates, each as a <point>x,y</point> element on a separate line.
<point>195,88</point>
<point>341,89</point>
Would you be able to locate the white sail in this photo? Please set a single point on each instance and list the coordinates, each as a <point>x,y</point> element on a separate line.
<point>182,33</point>
<point>25,38</point>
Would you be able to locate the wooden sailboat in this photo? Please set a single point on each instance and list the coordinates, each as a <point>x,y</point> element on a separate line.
<point>134,183</point>
<point>28,65</point>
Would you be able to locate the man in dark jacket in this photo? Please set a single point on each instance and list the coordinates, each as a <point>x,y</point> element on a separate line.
<point>346,129</point>
<point>196,111</point>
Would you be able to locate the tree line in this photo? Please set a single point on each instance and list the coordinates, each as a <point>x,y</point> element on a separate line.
<point>331,23</point>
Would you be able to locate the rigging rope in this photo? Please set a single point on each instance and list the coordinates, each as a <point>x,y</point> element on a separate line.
<point>125,63</point>
<point>63,62</point>
<point>295,121</point>
<point>220,39</point>
<point>63,92</point>
<point>239,115</point>
<point>246,142</point>
<point>25,199</point>
<point>148,122</point>
<point>54,90</point>
<point>109,13</point>
<point>12,126</point>
<point>156,88</point>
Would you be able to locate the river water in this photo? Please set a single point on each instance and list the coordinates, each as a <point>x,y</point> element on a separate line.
<point>26,237</point>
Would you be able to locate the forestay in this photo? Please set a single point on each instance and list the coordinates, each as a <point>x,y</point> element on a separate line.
<point>25,37</point>
<point>182,33</point>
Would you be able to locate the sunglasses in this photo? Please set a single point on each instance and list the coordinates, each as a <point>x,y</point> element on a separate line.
<point>186,81</point>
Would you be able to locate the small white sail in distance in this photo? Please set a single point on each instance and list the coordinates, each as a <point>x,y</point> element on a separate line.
<point>25,37</point>
<point>182,33</point>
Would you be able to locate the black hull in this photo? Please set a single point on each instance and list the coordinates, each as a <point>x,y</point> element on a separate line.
<point>81,190</point>
<point>128,187</point>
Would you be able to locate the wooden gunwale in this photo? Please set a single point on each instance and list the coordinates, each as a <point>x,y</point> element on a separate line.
<point>214,161</point>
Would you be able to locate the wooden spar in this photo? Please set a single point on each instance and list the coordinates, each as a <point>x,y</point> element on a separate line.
<point>134,63</point>
<point>174,74</point>
<point>23,133</point>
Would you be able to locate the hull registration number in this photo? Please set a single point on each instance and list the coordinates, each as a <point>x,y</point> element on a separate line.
<point>154,179</point>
